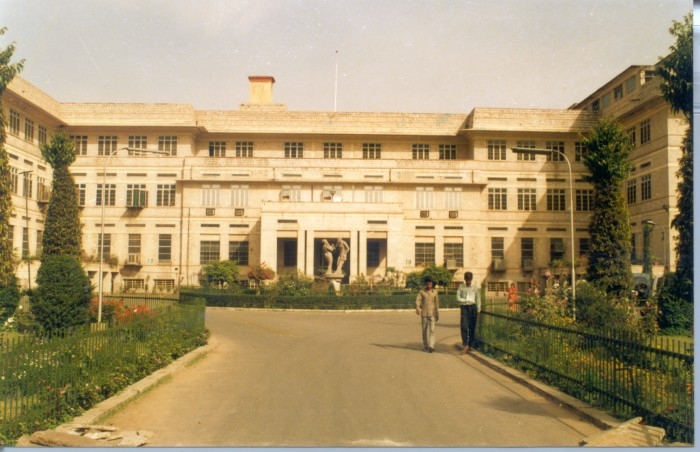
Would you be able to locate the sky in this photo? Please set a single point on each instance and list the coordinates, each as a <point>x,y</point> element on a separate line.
<point>412,56</point>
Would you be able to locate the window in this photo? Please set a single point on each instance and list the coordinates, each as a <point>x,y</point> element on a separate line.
<point>447,151</point>
<point>27,187</point>
<point>630,84</point>
<point>498,199</point>
<point>80,191</point>
<point>136,195</point>
<point>454,252</point>
<point>25,243</point>
<point>527,252</point>
<point>580,151</point>
<point>584,200</point>
<point>584,246</point>
<point>165,195</point>
<point>557,146</point>
<point>632,133</point>
<point>425,254</point>
<point>595,106</point>
<point>110,195</point>
<point>136,143</point>
<point>28,130</point>
<point>106,241</point>
<point>14,180</point>
<point>42,135</point>
<point>556,249</point>
<point>332,193</point>
<point>238,252</point>
<point>617,93</point>
<point>497,248</point>
<point>290,253</point>
<point>632,191</point>
<point>497,150</point>
<point>43,190</point>
<point>529,145</point>
<point>373,193</point>
<point>163,285</point>
<point>106,144</point>
<point>210,195</point>
<point>239,195</point>
<point>132,284</point>
<point>39,243</point>
<point>134,249</point>
<point>527,199</point>
<point>80,144</point>
<point>293,150</point>
<point>165,247</point>
<point>607,100</point>
<point>244,148</point>
<point>332,150</point>
<point>497,286</point>
<point>371,151</point>
<point>217,149</point>
<point>453,198</point>
<point>645,132</point>
<point>645,187</point>
<point>424,198</point>
<point>556,199</point>
<point>290,193</point>
<point>373,253</point>
<point>167,144</point>
<point>13,125</point>
<point>420,151</point>
<point>209,251</point>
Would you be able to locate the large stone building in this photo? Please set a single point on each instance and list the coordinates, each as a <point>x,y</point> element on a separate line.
<point>173,188</point>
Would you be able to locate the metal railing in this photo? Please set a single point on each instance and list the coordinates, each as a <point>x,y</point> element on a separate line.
<point>625,375</point>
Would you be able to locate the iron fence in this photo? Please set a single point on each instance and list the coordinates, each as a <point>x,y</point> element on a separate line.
<point>621,373</point>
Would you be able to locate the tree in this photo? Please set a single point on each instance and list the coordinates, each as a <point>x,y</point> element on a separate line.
<point>62,232</point>
<point>441,276</point>
<point>221,273</point>
<point>260,272</point>
<point>609,265</point>
<point>9,292</point>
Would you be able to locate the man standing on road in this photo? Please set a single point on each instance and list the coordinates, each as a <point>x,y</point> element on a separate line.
<point>428,308</point>
<point>469,300</point>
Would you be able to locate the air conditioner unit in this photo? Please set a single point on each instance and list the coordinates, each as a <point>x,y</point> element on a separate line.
<point>238,212</point>
<point>528,264</point>
<point>454,213</point>
<point>133,259</point>
<point>425,214</point>
<point>451,263</point>
<point>210,212</point>
<point>498,265</point>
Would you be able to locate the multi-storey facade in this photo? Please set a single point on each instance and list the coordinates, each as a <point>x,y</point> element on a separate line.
<point>170,188</point>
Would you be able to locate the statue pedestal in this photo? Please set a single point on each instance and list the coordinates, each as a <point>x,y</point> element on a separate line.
<point>335,280</point>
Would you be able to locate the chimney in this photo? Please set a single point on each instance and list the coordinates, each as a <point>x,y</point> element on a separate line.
<point>261,94</point>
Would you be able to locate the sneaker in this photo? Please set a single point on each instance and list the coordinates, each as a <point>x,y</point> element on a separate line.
<point>431,350</point>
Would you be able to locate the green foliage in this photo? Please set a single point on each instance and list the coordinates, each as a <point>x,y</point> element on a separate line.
<point>609,266</point>
<point>676,69</point>
<point>9,300</point>
<point>675,309</point>
<point>550,306</point>
<point>293,283</point>
<point>221,273</point>
<point>8,71</point>
<point>62,230</point>
<point>684,221</point>
<point>441,276</point>
<point>261,272</point>
<point>63,295</point>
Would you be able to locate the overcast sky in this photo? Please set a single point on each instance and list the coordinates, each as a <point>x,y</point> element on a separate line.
<point>392,55</point>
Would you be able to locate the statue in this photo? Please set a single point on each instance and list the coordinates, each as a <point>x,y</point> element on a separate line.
<point>328,255</point>
<point>343,254</point>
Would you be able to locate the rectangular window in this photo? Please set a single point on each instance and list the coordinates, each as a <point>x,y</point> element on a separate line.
<point>133,285</point>
<point>80,144</point>
<point>424,198</point>
<point>25,243</point>
<point>165,195</point>
<point>556,199</point>
<point>529,145</point>
<point>14,180</point>
<point>454,252</point>
<point>13,125</point>
<point>136,144</point>
<point>238,252</point>
<point>293,150</point>
<point>244,148</point>
<point>498,199</point>
<point>617,93</point>
<point>217,149</point>
<point>584,200</point>
<point>167,144</point>
<point>583,246</point>
<point>630,84</point>
<point>632,133</point>
<point>373,253</point>
<point>580,151</point>
<point>239,195</point>
<point>290,193</point>
<point>595,106</point>
<point>39,243</point>
<point>106,144</point>
<point>134,249</point>
<point>136,195</point>
<point>556,249</point>
<point>632,191</point>
<point>43,190</point>
<point>453,198</point>
<point>527,252</point>
<point>497,149</point>
<point>27,186</point>
<point>164,285</point>
<point>645,187</point>
<point>447,151</point>
<point>607,100</point>
<point>110,195</point>
<point>371,151</point>
<point>106,241</point>
<point>645,132</point>
<point>42,136</point>
<point>210,195</point>
<point>209,251</point>
<point>425,254</point>
<point>290,253</point>
<point>165,247</point>
<point>527,199</point>
<point>80,192</point>
<point>420,151</point>
<point>28,130</point>
<point>331,193</point>
<point>558,148</point>
<point>497,248</point>
<point>373,193</point>
<point>332,150</point>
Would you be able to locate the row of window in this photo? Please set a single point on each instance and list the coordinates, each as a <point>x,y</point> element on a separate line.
<point>618,92</point>
<point>645,189</point>
<point>527,199</point>
<point>33,133</point>
<point>43,189</point>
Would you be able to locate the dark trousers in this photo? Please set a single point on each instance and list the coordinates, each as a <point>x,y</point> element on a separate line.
<point>467,324</point>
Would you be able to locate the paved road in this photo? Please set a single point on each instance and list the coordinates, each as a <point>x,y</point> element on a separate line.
<point>343,379</point>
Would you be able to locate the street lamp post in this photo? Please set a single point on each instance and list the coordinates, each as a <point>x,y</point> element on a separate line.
<point>520,150</point>
<point>100,277</point>
<point>26,218</point>
<point>647,227</point>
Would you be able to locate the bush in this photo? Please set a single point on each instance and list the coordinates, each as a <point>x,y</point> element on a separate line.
<point>63,294</point>
<point>675,312</point>
<point>9,299</point>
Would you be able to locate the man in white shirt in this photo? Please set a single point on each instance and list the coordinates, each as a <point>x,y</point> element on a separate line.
<point>469,299</point>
